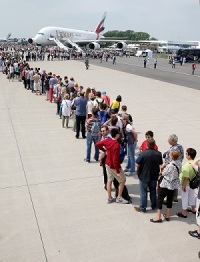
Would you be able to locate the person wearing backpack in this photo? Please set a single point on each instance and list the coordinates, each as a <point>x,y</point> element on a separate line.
<point>93,128</point>
<point>98,100</point>
<point>124,111</point>
<point>131,138</point>
<point>103,114</point>
<point>196,233</point>
<point>187,194</point>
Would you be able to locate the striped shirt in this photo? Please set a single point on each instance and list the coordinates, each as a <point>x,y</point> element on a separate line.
<point>90,123</point>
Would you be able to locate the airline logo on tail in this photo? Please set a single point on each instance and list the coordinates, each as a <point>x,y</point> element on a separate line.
<point>100,26</point>
<point>8,36</point>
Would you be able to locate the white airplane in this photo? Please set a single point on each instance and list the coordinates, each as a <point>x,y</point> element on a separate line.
<point>5,39</point>
<point>66,36</point>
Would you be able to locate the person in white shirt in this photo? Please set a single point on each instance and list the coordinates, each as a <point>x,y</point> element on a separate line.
<point>90,105</point>
<point>11,72</point>
<point>66,110</point>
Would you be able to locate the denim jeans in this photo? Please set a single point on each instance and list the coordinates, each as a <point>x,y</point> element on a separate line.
<point>131,157</point>
<point>32,85</point>
<point>89,140</point>
<point>143,194</point>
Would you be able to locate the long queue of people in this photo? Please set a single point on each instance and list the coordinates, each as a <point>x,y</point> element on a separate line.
<point>109,126</point>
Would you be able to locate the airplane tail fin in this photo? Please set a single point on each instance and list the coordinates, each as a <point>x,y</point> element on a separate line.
<point>8,36</point>
<point>100,27</point>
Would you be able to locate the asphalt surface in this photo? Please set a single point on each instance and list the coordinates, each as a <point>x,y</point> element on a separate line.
<point>181,75</point>
<point>53,206</point>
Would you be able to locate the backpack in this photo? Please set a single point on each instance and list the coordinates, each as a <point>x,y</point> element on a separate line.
<point>99,102</point>
<point>195,181</point>
<point>121,153</point>
<point>130,138</point>
<point>102,116</point>
<point>95,130</point>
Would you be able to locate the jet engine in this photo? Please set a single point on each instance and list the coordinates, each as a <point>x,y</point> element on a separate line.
<point>121,45</point>
<point>94,45</point>
<point>30,40</point>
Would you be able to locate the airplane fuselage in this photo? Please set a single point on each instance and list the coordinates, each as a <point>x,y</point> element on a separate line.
<point>45,34</point>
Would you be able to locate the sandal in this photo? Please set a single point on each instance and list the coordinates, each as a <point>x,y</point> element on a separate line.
<point>156,221</point>
<point>166,218</point>
<point>190,210</point>
<point>194,234</point>
<point>179,214</point>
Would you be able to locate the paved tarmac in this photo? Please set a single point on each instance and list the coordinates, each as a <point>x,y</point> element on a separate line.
<point>181,75</point>
<point>52,204</point>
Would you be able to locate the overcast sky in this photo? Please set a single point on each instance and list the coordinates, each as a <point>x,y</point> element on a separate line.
<point>163,19</point>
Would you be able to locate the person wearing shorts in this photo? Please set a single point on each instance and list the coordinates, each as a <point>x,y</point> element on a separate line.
<point>113,167</point>
<point>36,79</point>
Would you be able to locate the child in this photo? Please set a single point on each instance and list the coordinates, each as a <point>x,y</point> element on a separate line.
<point>148,135</point>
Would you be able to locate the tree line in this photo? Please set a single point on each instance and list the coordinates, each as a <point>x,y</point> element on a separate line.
<point>129,35</point>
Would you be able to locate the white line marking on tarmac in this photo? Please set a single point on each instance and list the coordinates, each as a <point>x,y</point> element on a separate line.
<point>176,72</point>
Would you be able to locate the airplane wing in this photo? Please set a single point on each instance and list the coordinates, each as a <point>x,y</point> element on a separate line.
<point>95,44</point>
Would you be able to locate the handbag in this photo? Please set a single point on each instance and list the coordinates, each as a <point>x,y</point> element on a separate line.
<point>160,179</point>
<point>73,107</point>
<point>195,181</point>
<point>58,98</point>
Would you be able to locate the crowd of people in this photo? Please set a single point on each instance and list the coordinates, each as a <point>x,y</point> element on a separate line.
<point>29,52</point>
<point>107,124</point>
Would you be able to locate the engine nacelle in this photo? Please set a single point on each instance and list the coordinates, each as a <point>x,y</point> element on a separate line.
<point>30,41</point>
<point>94,45</point>
<point>121,45</point>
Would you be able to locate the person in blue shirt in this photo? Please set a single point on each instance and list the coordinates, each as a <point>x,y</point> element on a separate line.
<point>81,104</point>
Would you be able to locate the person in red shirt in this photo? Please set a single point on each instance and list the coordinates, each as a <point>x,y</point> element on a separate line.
<point>106,98</point>
<point>148,135</point>
<point>193,68</point>
<point>112,148</point>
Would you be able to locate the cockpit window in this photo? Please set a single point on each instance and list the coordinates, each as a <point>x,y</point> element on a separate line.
<point>40,33</point>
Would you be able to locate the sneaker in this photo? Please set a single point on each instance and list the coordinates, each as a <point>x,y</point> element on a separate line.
<point>194,234</point>
<point>130,173</point>
<point>111,200</point>
<point>126,170</point>
<point>88,161</point>
<point>121,200</point>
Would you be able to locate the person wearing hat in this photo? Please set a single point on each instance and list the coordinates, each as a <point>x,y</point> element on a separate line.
<point>106,98</point>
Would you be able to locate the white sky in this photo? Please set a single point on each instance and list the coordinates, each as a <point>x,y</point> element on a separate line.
<point>163,19</point>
